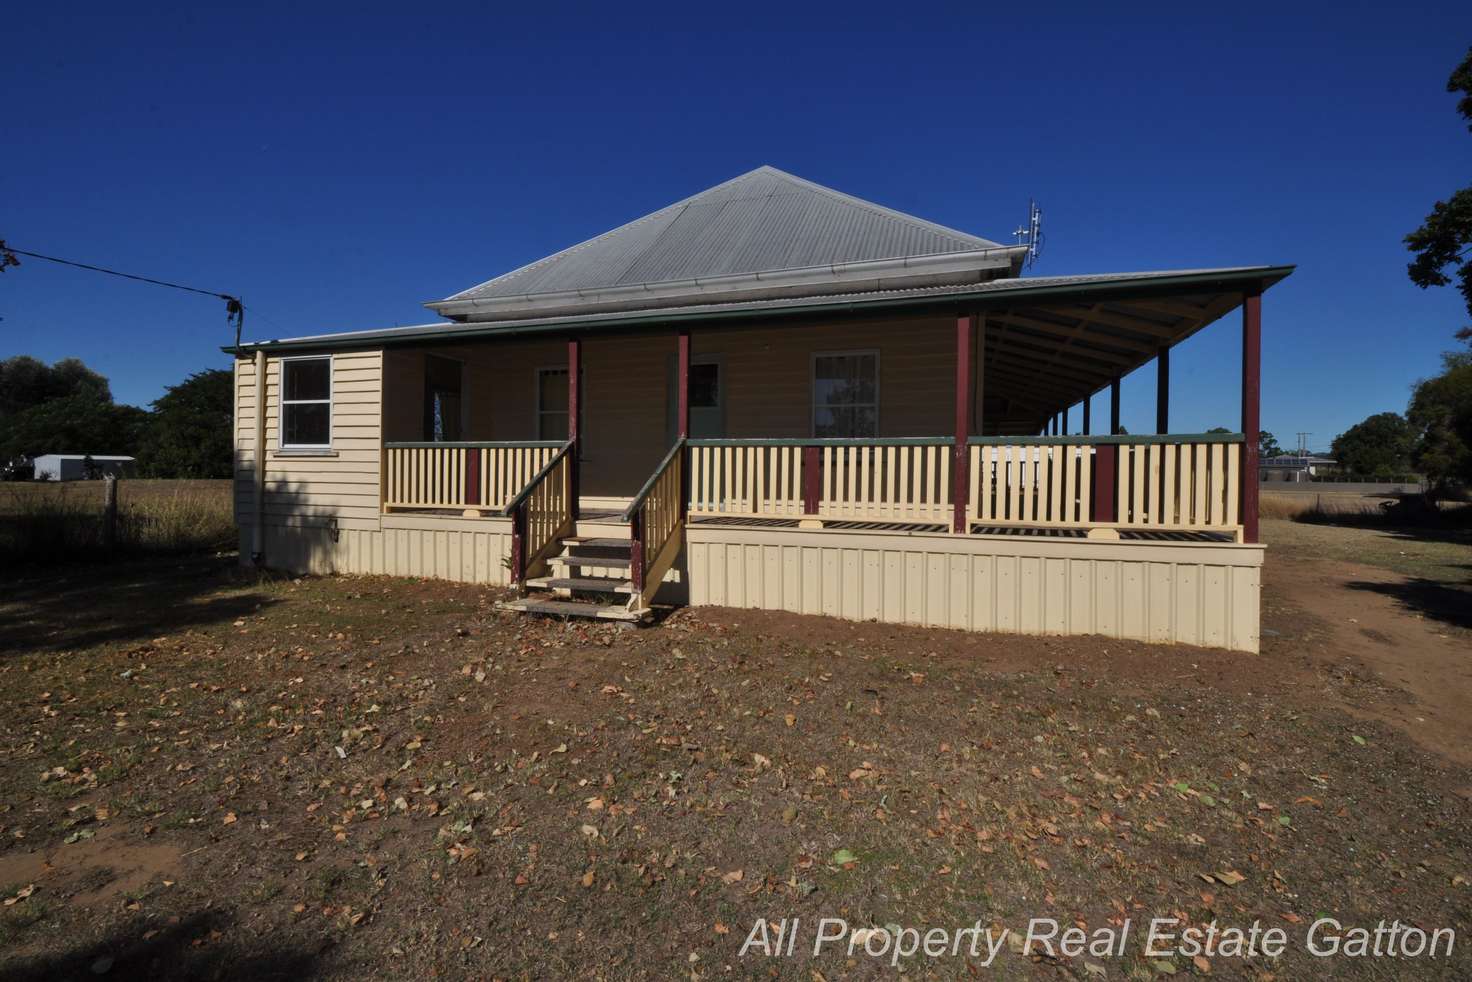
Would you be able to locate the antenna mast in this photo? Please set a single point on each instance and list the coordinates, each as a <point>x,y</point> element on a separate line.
<point>1031,234</point>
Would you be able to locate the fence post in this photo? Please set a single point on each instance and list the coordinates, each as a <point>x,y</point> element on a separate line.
<point>109,512</point>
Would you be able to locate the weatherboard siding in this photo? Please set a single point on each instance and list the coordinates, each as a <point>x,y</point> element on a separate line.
<point>322,514</point>
<point>627,415</point>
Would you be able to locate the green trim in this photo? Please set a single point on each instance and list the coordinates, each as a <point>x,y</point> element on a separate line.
<point>531,486</point>
<point>638,501</point>
<point>977,300</point>
<point>471,445</point>
<point>900,441</point>
<point>1122,439</point>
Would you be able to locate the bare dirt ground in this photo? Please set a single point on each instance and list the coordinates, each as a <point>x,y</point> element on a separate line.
<point>205,773</point>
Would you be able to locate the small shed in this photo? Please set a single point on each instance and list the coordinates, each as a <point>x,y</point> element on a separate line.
<point>81,466</point>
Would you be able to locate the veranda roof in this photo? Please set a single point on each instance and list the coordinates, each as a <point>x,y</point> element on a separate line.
<point>1050,341</point>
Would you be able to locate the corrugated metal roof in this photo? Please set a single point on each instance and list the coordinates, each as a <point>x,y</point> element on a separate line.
<point>763,221</point>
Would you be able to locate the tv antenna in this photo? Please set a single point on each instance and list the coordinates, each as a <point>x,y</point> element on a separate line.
<point>1031,234</point>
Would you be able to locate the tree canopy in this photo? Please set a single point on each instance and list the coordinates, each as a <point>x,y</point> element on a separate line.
<point>66,407</point>
<point>1379,446</point>
<point>1444,239</point>
<point>188,432</point>
<point>1441,411</point>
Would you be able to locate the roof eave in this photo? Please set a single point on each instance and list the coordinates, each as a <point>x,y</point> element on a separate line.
<point>980,299</point>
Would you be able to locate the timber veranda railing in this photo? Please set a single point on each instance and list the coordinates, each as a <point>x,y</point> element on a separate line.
<point>467,476</point>
<point>656,520</point>
<point>1170,482</point>
<point>541,514</point>
<point>884,480</point>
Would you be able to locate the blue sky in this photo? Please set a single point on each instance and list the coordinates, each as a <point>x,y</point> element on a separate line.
<point>338,167</point>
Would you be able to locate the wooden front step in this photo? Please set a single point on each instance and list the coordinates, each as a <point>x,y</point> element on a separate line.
<point>593,562</point>
<point>571,608</point>
<point>586,584</point>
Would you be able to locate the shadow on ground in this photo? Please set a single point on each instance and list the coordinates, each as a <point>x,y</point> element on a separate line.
<point>1429,598</point>
<point>186,950</point>
<point>56,608</point>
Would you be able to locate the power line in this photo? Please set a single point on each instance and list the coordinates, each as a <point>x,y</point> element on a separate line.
<point>234,307</point>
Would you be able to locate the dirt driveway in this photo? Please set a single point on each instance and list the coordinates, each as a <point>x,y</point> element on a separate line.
<point>1398,641</point>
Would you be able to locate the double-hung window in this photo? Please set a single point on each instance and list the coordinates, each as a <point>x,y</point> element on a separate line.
<point>551,404</point>
<point>846,394</point>
<point>306,403</point>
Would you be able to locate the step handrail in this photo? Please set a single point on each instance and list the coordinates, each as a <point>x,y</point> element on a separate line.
<point>643,494</point>
<point>537,479</point>
<point>656,520</point>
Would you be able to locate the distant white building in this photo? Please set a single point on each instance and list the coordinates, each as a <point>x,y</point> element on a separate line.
<point>74,466</point>
<point>1295,467</point>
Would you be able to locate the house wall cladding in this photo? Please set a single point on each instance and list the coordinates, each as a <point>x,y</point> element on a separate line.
<point>627,410</point>
<point>1191,593</point>
<point>322,514</point>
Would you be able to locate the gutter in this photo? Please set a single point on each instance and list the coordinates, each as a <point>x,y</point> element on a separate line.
<point>974,260</point>
<point>980,299</point>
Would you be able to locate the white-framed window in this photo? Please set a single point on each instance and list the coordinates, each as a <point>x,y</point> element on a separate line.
<point>306,403</point>
<point>846,394</point>
<point>552,404</point>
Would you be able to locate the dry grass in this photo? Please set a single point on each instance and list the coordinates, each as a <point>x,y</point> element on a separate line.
<point>54,522</point>
<point>351,777</point>
<point>1296,507</point>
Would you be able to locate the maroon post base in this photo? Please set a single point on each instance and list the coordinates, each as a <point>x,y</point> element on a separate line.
<point>636,551</point>
<point>518,546</point>
<point>472,478</point>
<point>1106,458</point>
<point>812,480</point>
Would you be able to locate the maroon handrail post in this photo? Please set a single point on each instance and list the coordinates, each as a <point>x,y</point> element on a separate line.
<point>812,481</point>
<point>472,477</point>
<point>1162,390</point>
<point>1087,399</point>
<point>1114,407</point>
<point>1106,457</point>
<point>636,551</point>
<point>574,380</point>
<point>682,421</point>
<point>518,544</point>
<point>965,410</point>
<point>1251,407</point>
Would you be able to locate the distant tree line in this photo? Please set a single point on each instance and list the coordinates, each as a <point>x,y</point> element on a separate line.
<point>68,408</point>
<point>1439,417</point>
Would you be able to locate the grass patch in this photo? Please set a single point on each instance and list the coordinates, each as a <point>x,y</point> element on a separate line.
<point>52,522</point>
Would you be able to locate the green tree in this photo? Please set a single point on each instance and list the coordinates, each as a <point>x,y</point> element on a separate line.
<point>65,407</point>
<point>26,382</point>
<point>1378,446</point>
<point>188,433</point>
<point>82,422</point>
<point>1441,412</point>
<point>1445,238</point>
<point>1267,444</point>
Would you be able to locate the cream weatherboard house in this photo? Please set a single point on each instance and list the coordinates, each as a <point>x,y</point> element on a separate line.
<point>773,395</point>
